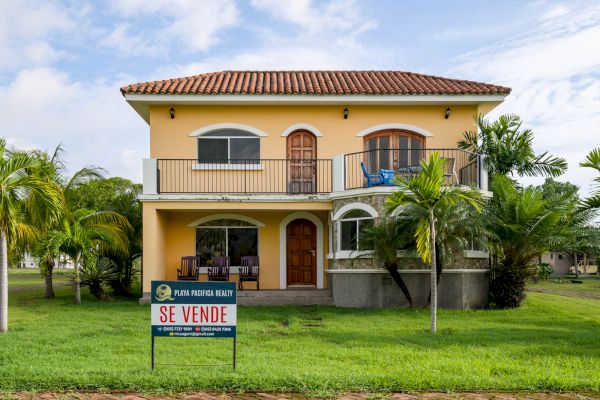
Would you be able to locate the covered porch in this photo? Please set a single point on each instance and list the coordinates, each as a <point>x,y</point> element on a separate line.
<point>194,240</point>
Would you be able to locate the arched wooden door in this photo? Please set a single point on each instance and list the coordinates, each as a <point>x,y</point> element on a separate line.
<point>301,252</point>
<point>302,162</point>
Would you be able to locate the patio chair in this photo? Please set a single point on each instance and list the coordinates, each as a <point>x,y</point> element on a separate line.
<point>450,171</point>
<point>409,171</point>
<point>189,270</point>
<point>388,176</point>
<point>218,271</point>
<point>249,271</point>
<point>372,179</point>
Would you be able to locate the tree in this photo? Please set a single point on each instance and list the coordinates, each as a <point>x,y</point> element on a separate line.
<point>427,192</point>
<point>53,168</point>
<point>385,239</point>
<point>82,236</point>
<point>592,160</point>
<point>18,181</point>
<point>508,149</point>
<point>525,226</point>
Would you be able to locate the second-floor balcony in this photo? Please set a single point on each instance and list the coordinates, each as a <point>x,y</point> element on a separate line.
<point>374,168</point>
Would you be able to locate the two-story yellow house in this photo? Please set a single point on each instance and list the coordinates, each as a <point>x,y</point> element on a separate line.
<point>289,166</point>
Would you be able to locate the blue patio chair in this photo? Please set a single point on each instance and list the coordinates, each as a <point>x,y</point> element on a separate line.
<point>372,179</point>
<point>388,176</point>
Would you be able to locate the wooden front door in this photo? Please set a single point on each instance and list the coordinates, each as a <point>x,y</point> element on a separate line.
<point>301,253</point>
<point>302,156</point>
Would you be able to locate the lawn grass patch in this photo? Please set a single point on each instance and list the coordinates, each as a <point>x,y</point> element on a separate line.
<point>551,343</point>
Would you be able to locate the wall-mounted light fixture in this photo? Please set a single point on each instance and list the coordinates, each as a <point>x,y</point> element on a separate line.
<point>447,113</point>
<point>346,113</point>
<point>172,113</point>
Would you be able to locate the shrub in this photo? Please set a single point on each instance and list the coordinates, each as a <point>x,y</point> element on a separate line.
<point>97,274</point>
<point>544,271</point>
<point>507,285</point>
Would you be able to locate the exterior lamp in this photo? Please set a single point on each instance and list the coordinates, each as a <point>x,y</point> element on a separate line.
<point>172,113</point>
<point>346,113</point>
<point>447,113</point>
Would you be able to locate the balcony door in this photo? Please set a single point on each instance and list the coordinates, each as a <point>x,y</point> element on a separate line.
<point>302,162</point>
<point>393,149</point>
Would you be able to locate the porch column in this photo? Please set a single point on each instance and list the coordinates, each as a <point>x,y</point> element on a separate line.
<point>339,173</point>
<point>150,182</point>
<point>483,173</point>
<point>155,222</point>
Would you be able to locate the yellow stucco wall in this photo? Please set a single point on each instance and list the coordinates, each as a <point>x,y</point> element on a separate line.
<point>169,138</point>
<point>177,239</point>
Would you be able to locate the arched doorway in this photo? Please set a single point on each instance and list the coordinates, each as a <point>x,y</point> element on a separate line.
<point>301,247</point>
<point>302,162</point>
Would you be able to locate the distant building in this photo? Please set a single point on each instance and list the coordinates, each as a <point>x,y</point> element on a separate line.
<point>564,264</point>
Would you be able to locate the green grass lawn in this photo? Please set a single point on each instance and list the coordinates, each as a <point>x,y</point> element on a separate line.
<point>551,343</point>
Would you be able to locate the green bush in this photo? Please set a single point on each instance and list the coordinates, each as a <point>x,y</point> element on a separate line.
<point>507,285</point>
<point>544,271</point>
<point>97,274</point>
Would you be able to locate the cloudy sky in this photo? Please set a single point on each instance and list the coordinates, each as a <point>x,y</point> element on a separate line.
<point>62,62</point>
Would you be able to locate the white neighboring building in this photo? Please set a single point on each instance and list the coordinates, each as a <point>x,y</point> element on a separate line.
<point>28,261</point>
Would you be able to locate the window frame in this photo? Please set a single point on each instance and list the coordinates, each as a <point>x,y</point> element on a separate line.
<point>345,253</point>
<point>208,225</point>
<point>393,136</point>
<point>251,163</point>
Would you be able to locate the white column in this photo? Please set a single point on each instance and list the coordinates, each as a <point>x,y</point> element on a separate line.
<point>483,173</point>
<point>339,173</point>
<point>150,176</point>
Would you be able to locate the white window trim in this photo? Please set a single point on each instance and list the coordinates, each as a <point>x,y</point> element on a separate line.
<point>306,127</point>
<point>407,127</point>
<point>214,217</point>
<point>228,138</point>
<point>227,125</point>
<point>283,246</point>
<point>355,206</point>
<point>338,218</point>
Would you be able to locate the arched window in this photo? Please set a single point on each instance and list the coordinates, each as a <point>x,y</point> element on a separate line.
<point>350,227</point>
<point>393,149</point>
<point>231,238</point>
<point>228,146</point>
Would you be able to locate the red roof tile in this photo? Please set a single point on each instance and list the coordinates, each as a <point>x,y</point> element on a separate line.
<point>315,83</point>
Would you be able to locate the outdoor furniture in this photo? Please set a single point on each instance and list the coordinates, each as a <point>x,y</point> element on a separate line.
<point>450,171</point>
<point>388,176</point>
<point>248,271</point>
<point>372,179</point>
<point>189,270</point>
<point>218,271</point>
<point>409,171</point>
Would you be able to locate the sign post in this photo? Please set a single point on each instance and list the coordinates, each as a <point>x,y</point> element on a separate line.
<point>194,309</point>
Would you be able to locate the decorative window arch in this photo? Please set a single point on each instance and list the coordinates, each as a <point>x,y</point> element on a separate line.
<point>216,217</point>
<point>350,221</point>
<point>305,127</point>
<point>405,127</point>
<point>228,125</point>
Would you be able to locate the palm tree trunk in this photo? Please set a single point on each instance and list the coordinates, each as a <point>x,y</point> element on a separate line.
<point>3,282</point>
<point>433,274</point>
<point>77,283</point>
<point>576,266</point>
<point>49,267</point>
<point>393,271</point>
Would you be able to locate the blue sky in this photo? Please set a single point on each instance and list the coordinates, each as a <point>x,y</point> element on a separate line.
<point>62,62</point>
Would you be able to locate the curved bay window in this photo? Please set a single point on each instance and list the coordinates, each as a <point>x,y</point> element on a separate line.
<point>393,149</point>
<point>226,237</point>
<point>351,225</point>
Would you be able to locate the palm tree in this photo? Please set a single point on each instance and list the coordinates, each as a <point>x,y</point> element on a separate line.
<point>53,168</point>
<point>385,239</point>
<point>427,192</point>
<point>526,225</point>
<point>508,149</point>
<point>84,234</point>
<point>592,160</point>
<point>19,181</point>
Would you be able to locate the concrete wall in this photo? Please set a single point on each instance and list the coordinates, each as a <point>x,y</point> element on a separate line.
<point>458,289</point>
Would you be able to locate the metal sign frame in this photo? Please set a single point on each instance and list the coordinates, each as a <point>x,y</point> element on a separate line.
<point>193,309</point>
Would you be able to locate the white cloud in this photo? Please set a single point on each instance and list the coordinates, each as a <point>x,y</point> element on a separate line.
<point>553,71</point>
<point>557,11</point>
<point>188,24</point>
<point>43,107</point>
<point>25,30</point>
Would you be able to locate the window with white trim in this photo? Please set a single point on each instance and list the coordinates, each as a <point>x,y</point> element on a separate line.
<point>226,237</point>
<point>351,225</point>
<point>228,146</point>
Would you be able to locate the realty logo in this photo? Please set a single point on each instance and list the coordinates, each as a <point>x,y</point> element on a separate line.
<point>163,292</point>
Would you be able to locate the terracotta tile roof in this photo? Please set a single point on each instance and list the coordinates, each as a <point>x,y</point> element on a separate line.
<point>314,83</point>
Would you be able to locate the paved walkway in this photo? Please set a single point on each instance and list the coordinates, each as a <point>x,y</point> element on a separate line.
<point>273,396</point>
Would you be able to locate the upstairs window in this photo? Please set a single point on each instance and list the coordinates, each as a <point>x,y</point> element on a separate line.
<point>228,146</point>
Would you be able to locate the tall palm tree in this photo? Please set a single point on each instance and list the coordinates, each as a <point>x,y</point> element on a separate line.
<point>508,149</point>
<point>592,160</point>
<point>19,181</point>
<point>84,234</point>
<point>427,192</point>
<point>53,168</point>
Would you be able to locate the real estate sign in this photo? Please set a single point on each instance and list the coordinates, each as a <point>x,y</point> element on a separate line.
<point>194,309</point>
